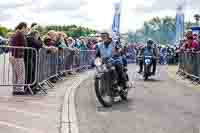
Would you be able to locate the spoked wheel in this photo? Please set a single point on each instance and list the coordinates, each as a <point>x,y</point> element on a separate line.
<point>103,93</point>
<point>124,95</point>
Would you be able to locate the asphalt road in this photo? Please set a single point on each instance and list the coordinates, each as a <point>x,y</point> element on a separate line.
<point>161,105</point>
<point>34,114</point>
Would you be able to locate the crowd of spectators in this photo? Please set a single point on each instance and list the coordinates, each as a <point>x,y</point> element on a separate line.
<point>23,61</point>
<point>188,52</point>
<point>191,42</point>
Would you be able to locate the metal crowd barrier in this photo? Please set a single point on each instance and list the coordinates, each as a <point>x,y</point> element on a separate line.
<point>189,65</point>
<point>18,67</point>
<point>35,68</point>
<point>53,64</point>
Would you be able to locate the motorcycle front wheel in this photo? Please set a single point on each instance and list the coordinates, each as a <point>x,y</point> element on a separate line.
<point>102,93</point>
<point>146,71</point>
<point>124,96</point>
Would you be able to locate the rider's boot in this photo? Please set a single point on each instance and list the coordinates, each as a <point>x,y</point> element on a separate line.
<point>141,67</point>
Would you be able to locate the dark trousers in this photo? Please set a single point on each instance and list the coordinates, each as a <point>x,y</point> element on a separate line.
<point>30,72</point>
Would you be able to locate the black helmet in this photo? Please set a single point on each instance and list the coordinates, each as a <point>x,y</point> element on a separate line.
<point>150,41</point>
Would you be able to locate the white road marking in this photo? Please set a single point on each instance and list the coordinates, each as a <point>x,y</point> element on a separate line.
<point>44,104</point>
<point>28,130</point>
<point>22,111</point>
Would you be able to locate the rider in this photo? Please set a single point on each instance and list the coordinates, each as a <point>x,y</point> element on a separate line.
<point>151,51</point>
<point>107,50</point>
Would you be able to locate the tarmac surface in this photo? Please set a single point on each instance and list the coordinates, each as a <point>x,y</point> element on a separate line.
<point>160,105</point>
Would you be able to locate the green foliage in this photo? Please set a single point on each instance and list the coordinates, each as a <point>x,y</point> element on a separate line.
<point>4,31</point>
<point>162,30</point>
<point>70,30</point>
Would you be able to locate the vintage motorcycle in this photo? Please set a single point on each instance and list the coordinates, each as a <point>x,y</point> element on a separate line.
<point>107,84</point>
<point>147,65</point>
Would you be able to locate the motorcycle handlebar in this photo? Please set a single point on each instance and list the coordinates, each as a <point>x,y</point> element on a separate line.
<point>140,57</point>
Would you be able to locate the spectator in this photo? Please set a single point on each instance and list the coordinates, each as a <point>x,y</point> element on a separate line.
<point>51,41</point>
<point>51,38</point>
<point>93,44</point>
<point>70,42</point>
<point>33,26</point>
<point>77,43</point>
<point>83,52</point>
<point>30,56</point>
<point>61,40</point>
<point>83,45</point>
<point>61,46</point>
<point>190,43</point>
<point>198,43</point>
<point>17,58</point>
<point>195,37</point>
<point>65,38</point>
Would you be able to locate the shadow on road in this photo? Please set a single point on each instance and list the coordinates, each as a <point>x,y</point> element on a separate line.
<point>118,106</point>
<point>149,80</point>
<point>154,80</point>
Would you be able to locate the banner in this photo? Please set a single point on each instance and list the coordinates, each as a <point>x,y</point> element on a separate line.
<point>180,18</point>
<point>116,23</point>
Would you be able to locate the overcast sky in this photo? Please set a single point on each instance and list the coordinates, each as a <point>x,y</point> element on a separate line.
<point>96,14</point>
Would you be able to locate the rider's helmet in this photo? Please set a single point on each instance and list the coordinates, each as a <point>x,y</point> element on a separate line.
<point>105,36</point>
<point>150,43</point>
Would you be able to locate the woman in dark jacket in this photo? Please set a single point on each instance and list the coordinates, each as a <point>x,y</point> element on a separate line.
<point>30,57</point>
<point>17,59</point>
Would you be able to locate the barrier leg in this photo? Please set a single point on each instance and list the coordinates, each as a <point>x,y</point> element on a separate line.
<point>59,78</point>
<point>50,84</point>
<point>31,91</point>
<point>42,88</point>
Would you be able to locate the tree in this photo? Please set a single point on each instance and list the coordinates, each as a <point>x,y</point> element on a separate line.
<point>4,31</point>
<point>70,30</point>
<point>162,30</point>
<point>197,18</point>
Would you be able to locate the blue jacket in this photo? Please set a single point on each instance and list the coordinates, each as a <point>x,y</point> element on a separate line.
<point>107,52</point>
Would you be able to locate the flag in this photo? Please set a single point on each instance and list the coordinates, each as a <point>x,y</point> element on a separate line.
<point>116,23</point>
<point>179,24</point>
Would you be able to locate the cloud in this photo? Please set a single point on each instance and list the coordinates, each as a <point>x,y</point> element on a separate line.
<point>194,4</point>
<point>13,5</point>
<point>60,6</point>
<point>156,6</point>
<point>165,5</point>
<point>96,14</point>
<point>5,16</point>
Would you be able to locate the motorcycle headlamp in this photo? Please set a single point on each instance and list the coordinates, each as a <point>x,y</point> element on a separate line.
<point>147,61</point>
<point>98,62</point>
